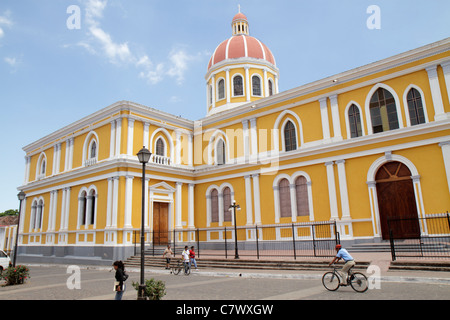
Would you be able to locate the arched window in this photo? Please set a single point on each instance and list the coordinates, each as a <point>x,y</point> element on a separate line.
<point>354,119</point>
<point>214,205</point>
<point>256,86</point>
<point>383,111</point>
<point>83,207</point>
<point>43,167</point>
<point>285,198</point>
<point>160,147</point>
<point>301,193</point>
<point>226,204</point>
<point>238,86</point>
<point>91,215</point>
<point>39,215</point>
<point>221,89</point>
<point>290,139</point>
<point>270,87</point>
<point>220,152</point>
<point>93,150</point>
<point>415,107</point>
<point>210,94</point>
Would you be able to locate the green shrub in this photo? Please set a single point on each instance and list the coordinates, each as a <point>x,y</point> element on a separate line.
<point>15,275</point>
<point>154,289</point>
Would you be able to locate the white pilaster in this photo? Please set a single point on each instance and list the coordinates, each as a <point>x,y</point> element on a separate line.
<point>436,93</point>
<point>293,195</point>
<point>246,140</point>
<point>332,190</point>
<point>191,223</point>
<point>146,137</point>
<point>247,82</point>
<point>128,201</point>
<point>130,137</point>
<point>343,189</point>
<point>178,205</point>
<point>118,136</point>
<point>256,197</point>
<point>335,116</point>
<point>253,141</point>
<point>324,116</point>
<point>112,143</point>
<point>248,200</point>
<point>446,68</point>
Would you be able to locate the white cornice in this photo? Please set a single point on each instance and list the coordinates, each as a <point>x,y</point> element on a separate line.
<point>106,115</point>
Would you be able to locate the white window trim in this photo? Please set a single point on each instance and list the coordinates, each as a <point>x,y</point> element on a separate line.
<point>367,106</point>
<point>405,104</point>
<point>261,89</point>
<point>224,89</point>
<point>243,85</point>
<point>347,122</point>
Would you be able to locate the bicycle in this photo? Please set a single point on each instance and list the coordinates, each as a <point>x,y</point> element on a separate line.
<point>331,280</point>
<point>180,266</point>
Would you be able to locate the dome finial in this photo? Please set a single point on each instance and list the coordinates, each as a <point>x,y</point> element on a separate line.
<point>239,8</point>
<point>240,23</point>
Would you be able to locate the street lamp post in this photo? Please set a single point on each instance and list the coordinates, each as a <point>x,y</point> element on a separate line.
<point>144,156</point>
<point>21,196</point>
<point>235,207</point>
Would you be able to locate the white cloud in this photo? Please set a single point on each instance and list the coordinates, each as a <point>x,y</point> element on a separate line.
<point>101,42</point>
<point>11,61</point>
<point>5,21</point>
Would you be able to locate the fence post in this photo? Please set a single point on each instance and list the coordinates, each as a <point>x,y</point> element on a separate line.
<point>198,242</point>
<point>257,242</point>
<point>226,249</point>
<point>174,243</point>
<point>293,241</point>
<point>314,239</point>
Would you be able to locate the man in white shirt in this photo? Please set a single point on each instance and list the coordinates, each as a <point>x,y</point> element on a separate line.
<point>185,255</point>
<point>348,259</point>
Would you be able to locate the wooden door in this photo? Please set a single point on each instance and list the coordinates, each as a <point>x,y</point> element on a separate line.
<point>396,199</point>
<point>160,223</point>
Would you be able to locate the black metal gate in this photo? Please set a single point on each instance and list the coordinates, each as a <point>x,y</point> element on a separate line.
<point>433,240</point>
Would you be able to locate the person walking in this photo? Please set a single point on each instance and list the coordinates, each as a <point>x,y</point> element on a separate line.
<point>168,254</point>
<point>348,259</point>
<point>119,286</point>
<point>185,256</point>
<point>192,258</point>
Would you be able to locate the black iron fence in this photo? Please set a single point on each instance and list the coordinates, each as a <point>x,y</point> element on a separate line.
<point>427,237</point>
<point>294,240</point>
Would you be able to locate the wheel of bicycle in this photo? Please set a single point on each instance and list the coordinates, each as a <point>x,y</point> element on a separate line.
<point>330,281</point>
<point>359,282</point>
<point>176,270</point>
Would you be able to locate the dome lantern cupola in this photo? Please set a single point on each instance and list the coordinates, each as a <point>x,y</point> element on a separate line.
<point>240,24</point>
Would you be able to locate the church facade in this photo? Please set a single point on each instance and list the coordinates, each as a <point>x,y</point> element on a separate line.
<point>354,148</point>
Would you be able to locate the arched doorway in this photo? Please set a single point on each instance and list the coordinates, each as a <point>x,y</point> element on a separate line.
<point>396,199</point>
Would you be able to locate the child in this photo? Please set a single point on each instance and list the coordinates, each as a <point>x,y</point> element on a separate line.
<point>192,257</point>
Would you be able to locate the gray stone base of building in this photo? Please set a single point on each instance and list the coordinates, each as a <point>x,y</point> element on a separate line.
<point>95,255</point>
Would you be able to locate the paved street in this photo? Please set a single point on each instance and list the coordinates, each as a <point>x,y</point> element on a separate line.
<point>51,283</point>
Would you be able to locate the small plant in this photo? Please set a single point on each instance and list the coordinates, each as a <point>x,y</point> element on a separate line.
<point>15,275</point>
<point>154,289</point>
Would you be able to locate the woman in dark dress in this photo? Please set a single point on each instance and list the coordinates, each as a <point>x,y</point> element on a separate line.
<point>119,286</point>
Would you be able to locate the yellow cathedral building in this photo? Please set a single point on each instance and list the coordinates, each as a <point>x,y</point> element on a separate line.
<point>352,148</point>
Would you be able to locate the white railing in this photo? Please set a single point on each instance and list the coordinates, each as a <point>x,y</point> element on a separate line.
<point>160,160</point>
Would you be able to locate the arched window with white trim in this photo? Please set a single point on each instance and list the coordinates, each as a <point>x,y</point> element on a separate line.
<point>238,86</point>
<point>256,86</point>
<point>415,107</point>
<point>214,205</point>
<point>226,204</point>
<point>285,198</point>
<point>290,136</point>
<point>302,198</point>
<point>160,147</point>
<point>221,89</point>
<point>220,152</point>
<point>354,120</point>
<point>383,111</point>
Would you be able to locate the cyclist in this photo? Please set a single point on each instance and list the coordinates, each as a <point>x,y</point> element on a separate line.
<point>185,255</point>
<point>348,259</point>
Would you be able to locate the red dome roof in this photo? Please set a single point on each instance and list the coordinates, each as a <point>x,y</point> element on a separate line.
<point>239,16</point>
<point>241,46</point>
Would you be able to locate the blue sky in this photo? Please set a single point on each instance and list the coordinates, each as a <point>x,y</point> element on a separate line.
<point>156,53</point>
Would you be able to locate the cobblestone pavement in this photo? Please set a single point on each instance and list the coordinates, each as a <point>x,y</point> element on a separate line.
<point>57,282</point>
